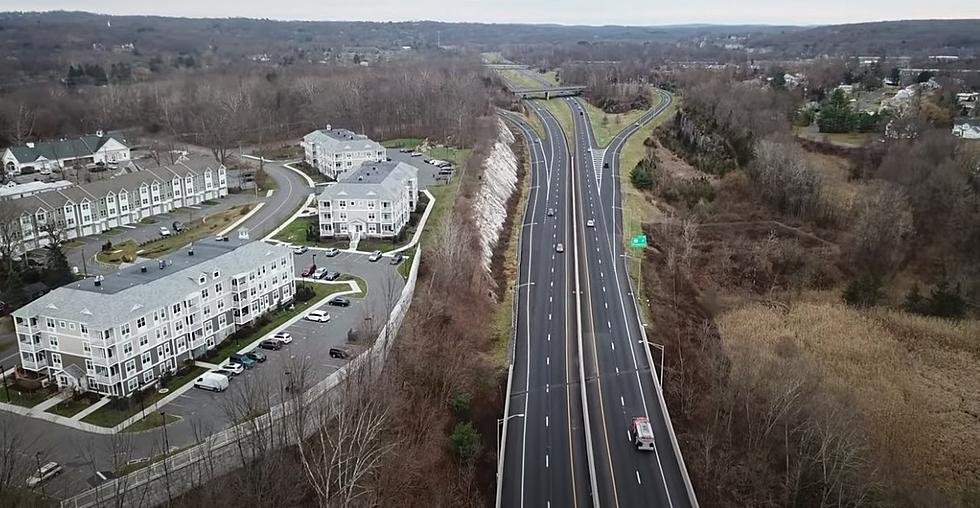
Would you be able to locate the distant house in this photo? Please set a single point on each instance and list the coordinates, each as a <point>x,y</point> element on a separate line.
<point>966,130</point>
<point>100,148</point>
<point>334,152</point>
<point>13,190</point>
<point>373,201</point>
<point>968,100</point>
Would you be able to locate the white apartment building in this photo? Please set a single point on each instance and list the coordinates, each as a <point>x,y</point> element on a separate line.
<point>373,201</point>
<point>122,333</point>
<point>94,207</point>
<point>334,152</point>
<point>102,148</point>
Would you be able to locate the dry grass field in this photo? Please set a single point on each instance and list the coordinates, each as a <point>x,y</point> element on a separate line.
<point>912,379</point>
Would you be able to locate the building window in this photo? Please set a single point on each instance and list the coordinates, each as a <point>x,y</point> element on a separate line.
<point>53,341</point>
<point>130,367</point>
<point>148,376</point>
<point>146,359</point>
<point>61,324</point>
<point>86,347</point>
<point>56,360</point>
<point>217,287</point>
<point>89,366</point>
<point>125,330</point>
<point>141,322</point>
<point>128,348</point>
<point>133,384</point>
<point>204,294</point>
<point>84,329</point>
<point>144,340</point>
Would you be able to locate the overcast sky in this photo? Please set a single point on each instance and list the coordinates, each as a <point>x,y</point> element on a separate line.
<point>585,12</point>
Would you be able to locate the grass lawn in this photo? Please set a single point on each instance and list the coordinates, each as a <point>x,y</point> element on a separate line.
<point>71,244</point>
<point>455,155</point>
<point>564,115</point>
<point>209,202</point>
<point>551,76</point>
<point>72,407</point>
<point>406,265</point>
<point>109,417</point>
<point>148,220</point>
<point>311,172</point>
<point>850,138</point>
<point>518,79</point>
<point>402,143</point>
<point>279,153</point>
<point>231,346</point>
<point>151,421</point>
<point>360,283</point>
<point>444,195</point>
<point>295,232</point>
<point>607,125</point>
<point>113,232</point>
<point>23,398</point>
<point>207,226</point>
<point>535,123</point>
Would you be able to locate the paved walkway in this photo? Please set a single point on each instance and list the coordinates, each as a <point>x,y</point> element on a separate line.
<point>91,409</point>
<point>51,401</point>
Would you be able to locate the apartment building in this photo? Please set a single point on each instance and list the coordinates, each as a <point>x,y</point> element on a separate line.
<point>94,207</point>
<point>119,334</point>
<point>335,152</point>
<point>373,201</point>
<point>101,148</point>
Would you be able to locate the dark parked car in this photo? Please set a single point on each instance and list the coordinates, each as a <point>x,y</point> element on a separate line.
<point>246,362</point>
<point>331,276</point>
<point>256,355</point>
<point>177,226</point>
<point>339,301</point>
<point>274,345</point>
<point>397,258</point>
<point>336,352</point>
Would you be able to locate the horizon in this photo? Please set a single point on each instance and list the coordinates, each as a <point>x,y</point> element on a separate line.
<point>571,13</point>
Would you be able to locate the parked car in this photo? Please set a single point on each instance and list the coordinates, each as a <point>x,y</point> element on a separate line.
<point>308,212</point>
<point>177,226</point>
<point>245,361</point>
<point>331,276</point>
<point>44,473</point>
<point>339,301</point>
<point>337,352</point>
<point>282,337</point>
<point>45,172</point>
<point>376,255</point>
<point>257,355</point>
<point>164,231</point>
<point>331,252</point>
<point>220,238</point>
<point>274,345</point>
<point>212,381</point>
<point>559,248</point>
<point>309,271</point>
<point>320,273</point>
<point>590,223</point>
<point>405,150</point>
<point>300,249</point>
<point>319,316</point>
<point>224,372</point>
<point>234,368</point>
<point>416,154</point>
<point>397,258</point>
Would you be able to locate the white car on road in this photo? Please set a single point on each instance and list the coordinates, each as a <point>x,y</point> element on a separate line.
<point>590,223</point>
<point>283,337</point>
<point>44,473</point>
<point>319,316</point>
<point>164,231</point>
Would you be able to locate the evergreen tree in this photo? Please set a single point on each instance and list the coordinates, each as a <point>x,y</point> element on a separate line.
<point>57,273</point>
<point>864,291</point>
<point>642,175</point>
<point>836,113</point>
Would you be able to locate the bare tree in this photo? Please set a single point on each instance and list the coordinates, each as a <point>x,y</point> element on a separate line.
<point>16,460</point>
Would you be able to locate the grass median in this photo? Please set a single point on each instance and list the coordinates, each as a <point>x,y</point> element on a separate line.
<point>113,414</point>
<point>605,126</point>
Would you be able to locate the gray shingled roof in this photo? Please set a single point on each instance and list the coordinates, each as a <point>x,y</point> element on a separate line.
<point>67,148</point>
<point>372,180</point>
<point>128,293</point>
<point>337,140</point>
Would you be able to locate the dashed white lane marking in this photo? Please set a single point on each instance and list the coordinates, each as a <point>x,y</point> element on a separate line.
<point>550,299</point>
<point>622,402</point>
<point>617,370</point>
<point>547,360</point>
<point>549,316</point>
<point>547,421</point>
<point>552,283</point>
<point>603,289</point>
<point>638,478</point>
<point>606,304</point>
<point>547,464</point>
<point>613,344</point>
<point>609,324</point>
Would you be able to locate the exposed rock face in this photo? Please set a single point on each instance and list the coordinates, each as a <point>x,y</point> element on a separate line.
<point>499,182</point>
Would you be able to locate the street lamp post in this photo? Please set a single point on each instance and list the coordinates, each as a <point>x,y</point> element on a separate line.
<point>6,389</point>
<point>500,423</point>
<point>661,348</point>
<point>38,457</point>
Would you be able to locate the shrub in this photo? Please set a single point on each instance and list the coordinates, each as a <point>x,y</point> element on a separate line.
<point>464,442</point>
<point>864,291</point>
<point>642,175</point>
<point>943,302</point>
<point>304,292</point>
<point>107,246</point>
<point>459,403</point>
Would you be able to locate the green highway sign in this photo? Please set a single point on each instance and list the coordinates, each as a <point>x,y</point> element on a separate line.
<point>639,242</point>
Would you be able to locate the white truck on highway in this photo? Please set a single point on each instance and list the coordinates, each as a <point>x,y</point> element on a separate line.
<point>642,433</point>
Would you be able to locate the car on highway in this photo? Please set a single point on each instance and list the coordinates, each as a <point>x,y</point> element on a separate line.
<point>339,352</point>
<point>319,316</point>
<point>320,273</point>
<point>257,355</point>
<point>282,337</point>
<point>551,212</point>
<point>220,238</point>
<point>164,231</point>
<point>416,154</point>
<point>245,361</point>
<point>339,301</point>
<point>637,124</point>
<point>397,258</point>
<point>234,368</point>
<point>590,223</point>
<point>300,249</point>
<point>581,113</point>
<point>44,473</point>
<point>274,345</point>
<point>212,381</point>
<point>375,256</point>
<point>331,276</point>
<point>331,252</point>
<point>559,248</point>
<point>309,271</point>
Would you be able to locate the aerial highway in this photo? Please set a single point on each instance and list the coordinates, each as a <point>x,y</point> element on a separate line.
<point>620,381</point>
<point>544,459</point>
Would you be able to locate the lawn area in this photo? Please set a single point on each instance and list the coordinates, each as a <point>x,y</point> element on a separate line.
<point>295,233</point>
<point>607,125</point>
<point>23,398</point>
<point>113,232</point>
<point>233,345</point>
<point>373,244</point>
<point>311,172</point>
<point>402,143</point>
<point>279,153</point>
<point>72,407</point>
<point>551,77</point>
<point>444,195</point>
<point>109,417</point>
<point>518,79</point>
<point>127,251</point>
<point>535,123</point>
<point>360,283</point>
<point>152,421</point>
<point>455,155</point>
<point>148,220</point>
<point>406,265</point>
<point>564,115</point>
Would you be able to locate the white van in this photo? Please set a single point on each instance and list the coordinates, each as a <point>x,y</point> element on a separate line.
<point>212,381</point>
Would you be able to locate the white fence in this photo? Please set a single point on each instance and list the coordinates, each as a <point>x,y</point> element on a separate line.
<point>173,476</point>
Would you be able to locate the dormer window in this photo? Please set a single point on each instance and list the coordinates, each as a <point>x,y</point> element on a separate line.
<point>217,274</point>
<point>202,279</point>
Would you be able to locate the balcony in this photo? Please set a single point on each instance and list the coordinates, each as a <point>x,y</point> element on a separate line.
<point>35,366</point>
<point>106,380</point>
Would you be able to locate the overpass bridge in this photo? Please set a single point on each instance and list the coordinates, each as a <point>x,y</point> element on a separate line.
<point>547,93</point>
<point>500,66</point>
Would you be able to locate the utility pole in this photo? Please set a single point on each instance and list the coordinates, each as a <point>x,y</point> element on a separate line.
<point>3,375</point>
<point>84,267</point>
